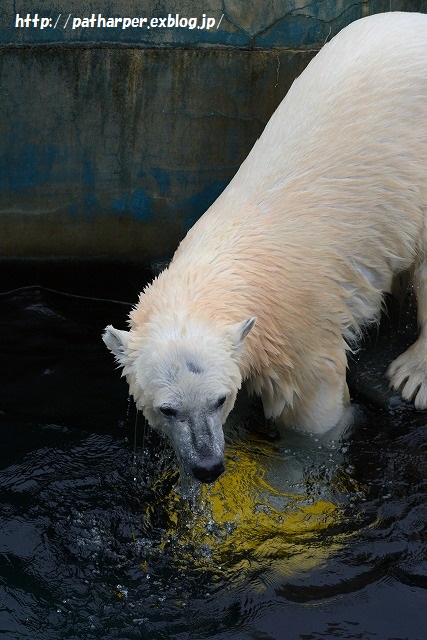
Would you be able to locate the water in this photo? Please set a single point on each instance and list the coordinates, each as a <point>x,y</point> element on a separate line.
<point>303,538</point>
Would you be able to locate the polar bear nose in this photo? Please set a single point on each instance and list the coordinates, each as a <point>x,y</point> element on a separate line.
<point>208,472</point>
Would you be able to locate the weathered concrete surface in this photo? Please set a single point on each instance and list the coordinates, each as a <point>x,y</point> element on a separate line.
<point>117,151</point>
<point>114,141</point>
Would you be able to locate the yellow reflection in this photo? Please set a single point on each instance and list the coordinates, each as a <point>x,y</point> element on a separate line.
<point>243,523</point>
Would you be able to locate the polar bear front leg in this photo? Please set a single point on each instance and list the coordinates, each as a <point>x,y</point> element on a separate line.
<point>408,373</point>
<point>323,407</point>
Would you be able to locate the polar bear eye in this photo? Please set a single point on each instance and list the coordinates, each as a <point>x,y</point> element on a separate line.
<point>169,412</point>
<point>221,401</point>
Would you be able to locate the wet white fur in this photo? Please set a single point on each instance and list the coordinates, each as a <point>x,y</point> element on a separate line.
<point>328,206</point>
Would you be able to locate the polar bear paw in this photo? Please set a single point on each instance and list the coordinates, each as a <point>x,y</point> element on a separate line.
<point>408,374</point>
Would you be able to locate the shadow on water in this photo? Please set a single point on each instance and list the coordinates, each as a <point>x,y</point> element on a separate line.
<point>303,537</point>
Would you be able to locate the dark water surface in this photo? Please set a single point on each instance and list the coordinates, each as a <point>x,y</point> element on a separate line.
<point>303,538</point>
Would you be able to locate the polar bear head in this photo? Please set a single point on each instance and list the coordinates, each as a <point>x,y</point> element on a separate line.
<point>184,376</point>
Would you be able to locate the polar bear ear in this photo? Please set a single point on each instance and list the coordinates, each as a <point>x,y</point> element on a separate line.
<point>239,331</point>
<point>117,341</point>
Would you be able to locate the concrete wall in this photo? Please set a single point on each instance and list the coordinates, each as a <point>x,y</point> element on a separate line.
<point>113,141</point>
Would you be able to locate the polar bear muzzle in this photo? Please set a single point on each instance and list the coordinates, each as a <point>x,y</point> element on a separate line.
<point>198,440</point>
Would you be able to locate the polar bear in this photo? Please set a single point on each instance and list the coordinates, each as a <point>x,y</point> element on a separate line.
<point>275,281</point>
